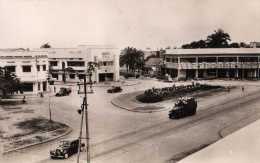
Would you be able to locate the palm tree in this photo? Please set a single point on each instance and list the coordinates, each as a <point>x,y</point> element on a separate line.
<point>132,58</point>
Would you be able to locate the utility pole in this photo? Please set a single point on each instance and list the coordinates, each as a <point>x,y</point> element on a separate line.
<point>84,110</point>
<point>86,119</point>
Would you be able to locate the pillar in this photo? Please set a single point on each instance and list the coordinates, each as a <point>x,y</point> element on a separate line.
<point>197,69</point>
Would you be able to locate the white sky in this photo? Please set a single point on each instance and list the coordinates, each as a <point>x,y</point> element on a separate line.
<point>139,23</point>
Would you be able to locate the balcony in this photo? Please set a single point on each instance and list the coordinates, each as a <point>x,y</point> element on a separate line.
<point>213,65</point>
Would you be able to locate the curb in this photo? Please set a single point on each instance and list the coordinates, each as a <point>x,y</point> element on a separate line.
<point>138,111</point>
<point>164,109</point>
<point>69,130</point>
<point>237,126</point>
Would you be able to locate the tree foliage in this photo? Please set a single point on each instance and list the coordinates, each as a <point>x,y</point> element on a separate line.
<point>132,58</point>
<point>8,82</point>
<point>218,39</point>
<point>46,45</point>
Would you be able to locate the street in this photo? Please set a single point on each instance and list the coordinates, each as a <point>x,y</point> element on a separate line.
<point>118,135</point>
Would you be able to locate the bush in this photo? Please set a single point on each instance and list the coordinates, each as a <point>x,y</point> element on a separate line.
<point>158,94</point>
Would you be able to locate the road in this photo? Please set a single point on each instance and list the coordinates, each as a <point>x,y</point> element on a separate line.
<point>120,136</point>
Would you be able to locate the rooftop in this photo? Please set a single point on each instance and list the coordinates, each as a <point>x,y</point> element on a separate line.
<point>213,51</point>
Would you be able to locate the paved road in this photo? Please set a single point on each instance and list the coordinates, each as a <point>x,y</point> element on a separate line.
<point>120,136</point>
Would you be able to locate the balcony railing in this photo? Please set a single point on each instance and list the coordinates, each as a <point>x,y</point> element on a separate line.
<point>213,65</point>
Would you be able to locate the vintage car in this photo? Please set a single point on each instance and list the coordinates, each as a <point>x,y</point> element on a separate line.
<point>63,92</point>
<point>114,89</point>
<point>183,107</point>
<point>66,149</point>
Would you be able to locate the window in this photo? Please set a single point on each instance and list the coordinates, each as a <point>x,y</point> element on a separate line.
<point>72,76</point>
<point>39,86</point>
<point>54,76</point>
<point>168,59</point>
<point>44,67</point>
<point>38,67</point>
<point>81,76</point>
<point>76,63</point>
<point>104,63</point>
<point>53,63</point>
<point>10,68</point>
<point>26,68</point>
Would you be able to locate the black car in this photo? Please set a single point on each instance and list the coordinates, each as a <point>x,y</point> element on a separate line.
<point>63,92</point>
<point>66,149</point>
<point>114,89</point>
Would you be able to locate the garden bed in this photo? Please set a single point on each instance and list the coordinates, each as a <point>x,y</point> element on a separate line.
<point>159,94</point>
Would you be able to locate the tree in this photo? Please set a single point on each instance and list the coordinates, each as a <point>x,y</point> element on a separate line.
<point>46,45</point>
<point>91,67</point>
<point>195,45</point>
<point>234,45</point>
<point>8,82</point>
<point>132,58</point>
<point>219,39</point>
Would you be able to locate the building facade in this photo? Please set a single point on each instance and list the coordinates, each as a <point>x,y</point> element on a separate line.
<point>30,67</point>
<point>70,64</point>
<point>239,63</point>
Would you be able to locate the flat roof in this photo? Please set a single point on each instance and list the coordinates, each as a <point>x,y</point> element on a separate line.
<point>214,51</point>
<point>63,52</point>
<point>22,54</point>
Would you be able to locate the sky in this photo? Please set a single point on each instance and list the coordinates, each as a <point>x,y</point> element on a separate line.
<point>138,23</point>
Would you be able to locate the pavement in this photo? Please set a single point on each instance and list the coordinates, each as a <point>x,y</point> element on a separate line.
<point>117,135</point>
<point>240,147</point>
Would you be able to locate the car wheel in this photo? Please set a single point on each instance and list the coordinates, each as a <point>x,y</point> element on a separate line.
<point>66,156</point>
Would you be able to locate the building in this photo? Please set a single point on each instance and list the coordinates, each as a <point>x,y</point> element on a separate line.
<point>239,63</point>
<point>70,64</point>
<point>30,67</point>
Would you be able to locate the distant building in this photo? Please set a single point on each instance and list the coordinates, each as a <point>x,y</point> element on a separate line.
<point>254,45</point>
<point>70,64</point>
<point>30,67</point>
<point>239,63</point>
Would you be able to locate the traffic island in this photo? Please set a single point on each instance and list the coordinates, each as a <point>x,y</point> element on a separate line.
<point>26,124</point>
<point>33,132</point>
<point>131,102</point>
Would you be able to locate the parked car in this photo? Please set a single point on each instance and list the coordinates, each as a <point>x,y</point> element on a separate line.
<point>114,89</point>
<point>66,149</point>
<point>63,92</point>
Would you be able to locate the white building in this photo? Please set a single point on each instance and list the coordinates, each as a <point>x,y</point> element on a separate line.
<point>239,63</point>
<point>70,64</point>
<point>30,67</point>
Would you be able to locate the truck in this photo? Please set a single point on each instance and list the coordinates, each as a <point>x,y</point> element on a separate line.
<point>183,107</point>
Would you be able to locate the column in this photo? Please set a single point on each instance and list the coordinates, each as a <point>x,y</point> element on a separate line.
<point>179,68</point>
<point>197,69</point>
<point>237,67</point>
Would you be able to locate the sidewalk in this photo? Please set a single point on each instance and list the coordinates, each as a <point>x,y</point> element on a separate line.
<point>240,147</point>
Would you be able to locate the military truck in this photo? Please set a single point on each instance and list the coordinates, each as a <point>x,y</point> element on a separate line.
<point>183,107</point>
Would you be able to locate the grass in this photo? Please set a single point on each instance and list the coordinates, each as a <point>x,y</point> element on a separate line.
<point>37,125</point>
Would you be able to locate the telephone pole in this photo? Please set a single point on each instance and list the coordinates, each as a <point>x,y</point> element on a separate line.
<point>84,111</point>
<point>86,119</point>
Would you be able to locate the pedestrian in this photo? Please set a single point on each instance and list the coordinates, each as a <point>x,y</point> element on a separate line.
<point>54,89</point>
<point>243,88</point>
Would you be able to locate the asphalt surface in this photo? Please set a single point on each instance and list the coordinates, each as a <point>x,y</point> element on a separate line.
<point>118,135</point>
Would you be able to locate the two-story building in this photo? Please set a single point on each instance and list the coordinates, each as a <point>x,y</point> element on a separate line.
<point>70,64</point>
<point>239,63</point>
<point>30,67</point>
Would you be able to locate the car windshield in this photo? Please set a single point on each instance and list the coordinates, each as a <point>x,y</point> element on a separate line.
<point>65,144</point>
